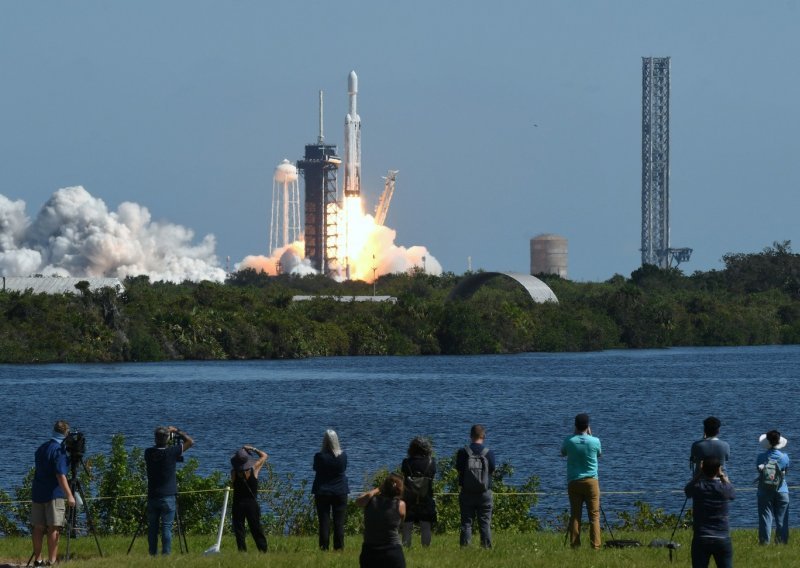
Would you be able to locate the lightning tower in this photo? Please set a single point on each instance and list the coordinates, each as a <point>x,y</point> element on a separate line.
<point>655,166</point>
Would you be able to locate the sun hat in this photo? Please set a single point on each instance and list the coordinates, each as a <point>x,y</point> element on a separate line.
<point>242,460</point>
<point>762,439</point>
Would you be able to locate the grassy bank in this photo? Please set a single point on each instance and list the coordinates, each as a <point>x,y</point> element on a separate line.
<point>511,549</point>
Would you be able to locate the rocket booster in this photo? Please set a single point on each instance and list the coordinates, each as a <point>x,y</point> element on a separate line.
<point>352,141</point>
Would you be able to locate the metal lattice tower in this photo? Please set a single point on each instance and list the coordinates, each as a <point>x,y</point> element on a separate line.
<point>319,167</point>
<point>655,161</point>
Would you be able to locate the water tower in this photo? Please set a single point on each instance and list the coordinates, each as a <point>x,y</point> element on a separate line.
<point>285,218</point>
<point>549,255</point>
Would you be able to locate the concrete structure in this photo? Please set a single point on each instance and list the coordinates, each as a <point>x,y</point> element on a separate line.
<point>549,255</point>
<point>390,299</point>
<point>57,285</point>
<point>538,290</point>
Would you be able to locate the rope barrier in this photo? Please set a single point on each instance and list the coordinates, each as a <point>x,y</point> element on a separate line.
<point>442,494</point>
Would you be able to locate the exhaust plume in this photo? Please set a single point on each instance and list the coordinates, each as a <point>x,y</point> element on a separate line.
<point>74,234</point>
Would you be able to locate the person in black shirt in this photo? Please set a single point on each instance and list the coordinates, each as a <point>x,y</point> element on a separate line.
<point>384,511</point>
<point>244,475</point>
<point>711,490</point>
<point>419,469</point>
<point>330,489</point>
<point>162,485</point>
<point>709,445</point>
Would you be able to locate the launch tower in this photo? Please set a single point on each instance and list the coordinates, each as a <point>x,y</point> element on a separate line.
<point>655,165</point>
<point>319,167</point>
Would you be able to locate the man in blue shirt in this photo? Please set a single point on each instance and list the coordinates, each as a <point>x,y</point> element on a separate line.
<point>582,451</point>
<point>162,485</point>
<point>711,491</point>
<point>773,501</point>
<point>49,491</point>
<point>475,464</point>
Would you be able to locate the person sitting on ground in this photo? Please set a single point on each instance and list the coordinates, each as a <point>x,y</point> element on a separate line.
<point>711,490</point>
<point>384,510</point>
<point>773,495</point>
<point>244,476</point>
<point>419,469</point>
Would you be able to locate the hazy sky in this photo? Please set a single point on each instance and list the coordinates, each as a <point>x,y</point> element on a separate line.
<point>505,119</point>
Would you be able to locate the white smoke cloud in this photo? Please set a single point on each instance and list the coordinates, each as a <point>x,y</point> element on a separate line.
<point>74,234</point>
<point>379,251</point>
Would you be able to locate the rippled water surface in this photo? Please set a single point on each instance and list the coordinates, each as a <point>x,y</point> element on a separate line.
<point>647,407</point>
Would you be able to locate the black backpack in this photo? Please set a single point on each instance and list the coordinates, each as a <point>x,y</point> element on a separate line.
<point>476,472</point>
<point>417,488</point>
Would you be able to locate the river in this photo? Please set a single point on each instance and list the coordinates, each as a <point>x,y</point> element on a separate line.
<point>647,407</point>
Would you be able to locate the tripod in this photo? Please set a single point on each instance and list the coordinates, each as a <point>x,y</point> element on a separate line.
<point>72,514</point>
<point>183,545</point>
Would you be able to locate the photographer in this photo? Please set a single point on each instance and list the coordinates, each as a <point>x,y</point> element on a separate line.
<point>162,485</point>
<point>50,489</point>
<point>582,451</point>
<point>710,491</point>
<point>244,475</point>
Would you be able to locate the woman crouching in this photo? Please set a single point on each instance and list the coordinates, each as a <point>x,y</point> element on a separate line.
<point>384,511</point>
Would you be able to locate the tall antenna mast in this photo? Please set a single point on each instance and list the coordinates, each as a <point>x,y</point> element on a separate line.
<point>321,133</point>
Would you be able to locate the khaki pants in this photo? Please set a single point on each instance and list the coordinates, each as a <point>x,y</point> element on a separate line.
<point>582,491</point>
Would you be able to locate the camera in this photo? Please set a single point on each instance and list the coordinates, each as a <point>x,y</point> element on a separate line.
<point>75,444</point>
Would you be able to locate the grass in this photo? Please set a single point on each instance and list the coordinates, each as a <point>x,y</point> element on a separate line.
<point>510,549</point>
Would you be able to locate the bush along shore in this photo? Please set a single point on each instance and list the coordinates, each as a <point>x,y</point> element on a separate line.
<point>753,300</point>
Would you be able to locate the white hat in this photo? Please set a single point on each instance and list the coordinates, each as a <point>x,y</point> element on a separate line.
<point>762,439</point>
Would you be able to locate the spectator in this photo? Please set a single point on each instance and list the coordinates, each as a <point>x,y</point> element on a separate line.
<point>330,490</point>
<point>49,491</point>
<point>244,475</point>
<point>419,469</point>
<point>384,510</point>
<point>582,451</point>
<point>710,491</point>
<point>475,464</point>
<point>162,484</point>
<point>773,500</point>
<point>709,445</point>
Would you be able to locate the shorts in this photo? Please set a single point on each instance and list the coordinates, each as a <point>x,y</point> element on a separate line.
<point>50,514</point>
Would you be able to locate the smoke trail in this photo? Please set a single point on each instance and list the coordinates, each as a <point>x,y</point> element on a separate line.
<point>74,234</point>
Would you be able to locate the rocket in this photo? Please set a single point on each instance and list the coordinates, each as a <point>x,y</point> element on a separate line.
<point>352,142</point>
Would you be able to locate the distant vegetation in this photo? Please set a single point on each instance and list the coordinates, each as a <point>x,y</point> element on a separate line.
<point>754,300</point>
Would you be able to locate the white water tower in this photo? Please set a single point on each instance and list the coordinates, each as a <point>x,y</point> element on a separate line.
<point>549,255</point>
<point>285,218</point>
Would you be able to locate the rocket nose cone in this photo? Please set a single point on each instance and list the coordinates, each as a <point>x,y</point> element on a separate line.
<point>352,82</point>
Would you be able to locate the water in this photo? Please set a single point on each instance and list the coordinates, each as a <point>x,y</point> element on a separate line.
<point>647,407</point>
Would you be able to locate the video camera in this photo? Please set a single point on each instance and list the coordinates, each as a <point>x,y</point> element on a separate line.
<point>173,439</point>
<point>75,445</point>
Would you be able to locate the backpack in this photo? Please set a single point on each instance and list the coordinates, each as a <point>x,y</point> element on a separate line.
<point>476,473</point>
<point>417,488</point>
<point>771,476</point>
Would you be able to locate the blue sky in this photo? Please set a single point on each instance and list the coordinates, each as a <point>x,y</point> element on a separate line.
<point>505,119</point>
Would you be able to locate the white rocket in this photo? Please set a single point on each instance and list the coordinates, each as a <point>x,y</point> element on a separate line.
<point>352,142</point>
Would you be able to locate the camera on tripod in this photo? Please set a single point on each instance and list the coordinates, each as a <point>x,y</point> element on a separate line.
<point>75,445</point>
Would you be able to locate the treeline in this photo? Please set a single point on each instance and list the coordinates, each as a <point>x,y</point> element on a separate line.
<point>753,300</point>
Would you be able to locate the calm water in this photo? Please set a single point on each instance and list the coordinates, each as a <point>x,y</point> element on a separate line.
<point>647,407</point>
